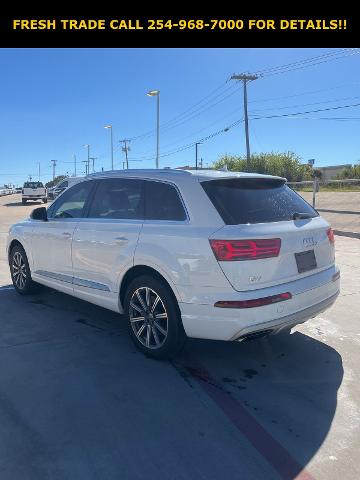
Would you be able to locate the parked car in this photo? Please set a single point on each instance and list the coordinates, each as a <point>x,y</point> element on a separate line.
<point>33,191</point>
<point>18,190</point>
<point>205,254</point>
<point>62,186</point>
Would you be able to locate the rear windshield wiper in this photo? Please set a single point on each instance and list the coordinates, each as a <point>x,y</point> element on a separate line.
<point>300,216</point>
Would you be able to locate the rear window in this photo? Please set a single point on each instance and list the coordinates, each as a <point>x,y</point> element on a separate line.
<point>33,185</point>
<point>254,200</point>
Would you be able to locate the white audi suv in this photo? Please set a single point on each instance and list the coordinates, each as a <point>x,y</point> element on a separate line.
<point>204,254</point>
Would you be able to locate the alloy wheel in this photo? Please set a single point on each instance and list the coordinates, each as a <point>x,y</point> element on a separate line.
<point>19,270</point>
<point>148,318</point>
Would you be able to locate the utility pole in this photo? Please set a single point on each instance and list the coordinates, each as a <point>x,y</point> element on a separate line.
<point>74,165</point>
<point>201,162</point>
<point>196,154</point>
<point>109,127</point>
<point>246,78</point>
<point>86,166</point>
<point>39,170</point>
<point>125,149</point>
<point>88,158</point>
<point>93,163</point>
<point>54,166</point>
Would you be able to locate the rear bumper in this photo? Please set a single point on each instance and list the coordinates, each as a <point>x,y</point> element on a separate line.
<point>289,321</point>
<point>32,197</point>
<point>207,321</point>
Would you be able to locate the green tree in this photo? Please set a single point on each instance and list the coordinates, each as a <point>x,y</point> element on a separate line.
<point>54,182</point>
<point>283,164</point>
<point>350,172</point>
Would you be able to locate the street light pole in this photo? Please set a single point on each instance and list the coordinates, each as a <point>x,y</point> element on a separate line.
<point>39,170</point>
<point>109,127</point>
<point>156,93</point>
<point>74,164</point>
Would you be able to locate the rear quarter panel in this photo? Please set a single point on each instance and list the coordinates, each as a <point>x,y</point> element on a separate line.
<point>181,253</point>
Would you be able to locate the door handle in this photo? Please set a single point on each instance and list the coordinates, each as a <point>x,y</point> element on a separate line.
<point>121,240</point>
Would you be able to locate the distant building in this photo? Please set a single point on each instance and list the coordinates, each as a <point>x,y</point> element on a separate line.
<point>329,173</point>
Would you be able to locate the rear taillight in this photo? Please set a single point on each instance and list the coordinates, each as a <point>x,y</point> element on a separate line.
<point>232,250</point>
<point>330,234</point>
<point>255,302</point>
<point>22,191</point>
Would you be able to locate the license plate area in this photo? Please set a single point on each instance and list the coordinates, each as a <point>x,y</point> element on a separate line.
<point>305,261</point>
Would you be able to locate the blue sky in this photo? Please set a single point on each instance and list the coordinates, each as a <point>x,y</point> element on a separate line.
<point>53,101</point>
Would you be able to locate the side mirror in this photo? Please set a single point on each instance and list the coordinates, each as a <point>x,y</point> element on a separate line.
<point>39,214</point>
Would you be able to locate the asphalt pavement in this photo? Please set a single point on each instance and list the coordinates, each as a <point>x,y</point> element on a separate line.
<point>79,401</point>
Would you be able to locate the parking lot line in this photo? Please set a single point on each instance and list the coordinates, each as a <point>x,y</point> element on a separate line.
<point>265,444</point>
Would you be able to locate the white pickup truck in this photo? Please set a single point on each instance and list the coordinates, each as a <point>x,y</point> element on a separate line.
<point>33,191</point>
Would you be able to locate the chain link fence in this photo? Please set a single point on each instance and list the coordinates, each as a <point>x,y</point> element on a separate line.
<point>343,185</point>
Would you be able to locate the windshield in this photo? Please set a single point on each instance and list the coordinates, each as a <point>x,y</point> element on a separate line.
<point>33,185</point>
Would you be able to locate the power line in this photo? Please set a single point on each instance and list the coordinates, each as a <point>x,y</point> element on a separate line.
<point>224,91</point>
<point>182,119</point>
<point>310,62</point>
<point>308,104</point>
<point>237,122</point>
<point>184,112</point>
<point>261,100</point>
<point>178,120</point>
<point>309,111</point>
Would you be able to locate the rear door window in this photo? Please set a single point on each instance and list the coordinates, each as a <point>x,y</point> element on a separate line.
<point>162,202</point>
<point>255,200</point>
<point>118,198</point>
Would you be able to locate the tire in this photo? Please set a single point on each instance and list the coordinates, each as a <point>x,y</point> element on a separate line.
<point>22,281</point>
<point>160,337</point>
<point>45,200</point>
<point>23,202</point>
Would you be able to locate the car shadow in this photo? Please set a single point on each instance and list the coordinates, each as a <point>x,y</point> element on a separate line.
<point>278,393</point>
<point>288,385</point>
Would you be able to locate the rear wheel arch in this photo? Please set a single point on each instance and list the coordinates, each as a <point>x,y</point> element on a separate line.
<point>139,270</point>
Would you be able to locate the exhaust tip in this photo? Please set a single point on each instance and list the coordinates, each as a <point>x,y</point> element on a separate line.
<point>255,335</point>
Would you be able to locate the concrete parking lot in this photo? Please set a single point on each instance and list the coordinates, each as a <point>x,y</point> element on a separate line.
<point>78,401</point>
<point>341,210</point>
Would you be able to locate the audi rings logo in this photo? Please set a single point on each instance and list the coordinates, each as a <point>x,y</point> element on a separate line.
<point>309,242</point>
